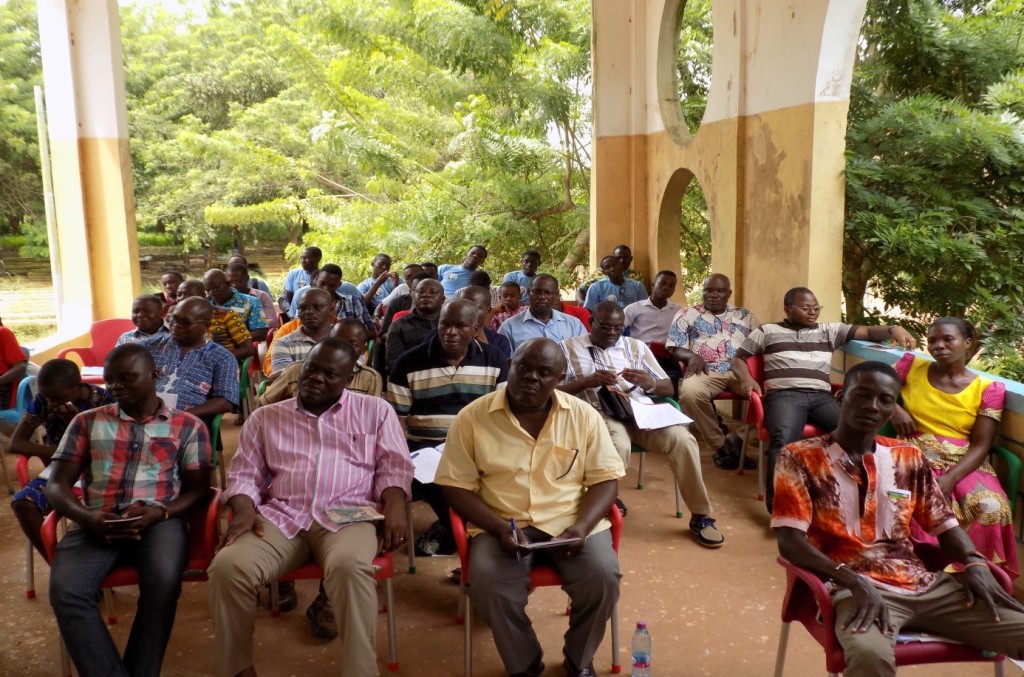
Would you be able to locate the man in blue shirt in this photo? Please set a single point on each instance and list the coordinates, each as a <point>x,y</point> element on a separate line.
<point>454,277</point>
<point>223,295</point>
<point>524,278</point>
<point>300,277</point>
<point>349,300</point>
<point>615,287</point>
<point>381,283</point>
<point>541,320</point>
<point>200,376</point>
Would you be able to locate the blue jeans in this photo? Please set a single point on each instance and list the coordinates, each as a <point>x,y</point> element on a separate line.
<point>786,412</point>
<point>81,563</point>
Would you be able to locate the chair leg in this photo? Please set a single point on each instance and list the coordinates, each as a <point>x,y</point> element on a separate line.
<point>392,635</point>
<point>65,659</point>
<point>780,656</point>
<point>410,539</point>
<point>108,602</point>
<point>275,611</point>
<point>762,471</point>
<point>679,500</point>
<point>460,611</point>
<point>616,665</point>
<point>7,478</point>
<point>640,472</point>
<point>30,571</point>
<point>1000,672</point>
<point>743,448</point>
<point>468,658</point>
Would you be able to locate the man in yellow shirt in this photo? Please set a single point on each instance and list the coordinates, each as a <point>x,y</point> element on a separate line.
<point>533,456</point>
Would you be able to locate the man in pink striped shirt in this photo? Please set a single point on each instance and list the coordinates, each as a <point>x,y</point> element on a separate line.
<point>324,450</point>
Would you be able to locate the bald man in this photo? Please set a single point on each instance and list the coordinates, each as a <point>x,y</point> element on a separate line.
<point>248,307</point>
<point>706,336</point>
<point>532,454</point>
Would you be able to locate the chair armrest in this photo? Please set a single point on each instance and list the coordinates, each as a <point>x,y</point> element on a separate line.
<point>85,356</point>
<point>666,400</point>
<point>797,576</point>
<point>48,534</point>
<point>21,469</point>
<point>1014,467</point>
<point>461,543</point>
<point>755,412</point>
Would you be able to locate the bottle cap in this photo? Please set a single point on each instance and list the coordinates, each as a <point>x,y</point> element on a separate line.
<point>641,625</point>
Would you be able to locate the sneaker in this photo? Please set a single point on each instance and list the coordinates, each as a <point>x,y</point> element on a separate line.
<point>706,533</point>
<point>320,615</point>
<point>623,510</point>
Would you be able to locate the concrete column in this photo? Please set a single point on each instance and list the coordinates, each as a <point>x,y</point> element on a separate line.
<point>83,81</point>
<point>769,153</point>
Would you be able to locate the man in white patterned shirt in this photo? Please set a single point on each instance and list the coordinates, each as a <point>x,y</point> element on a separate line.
<point>325,449</point>
<point>606,358</point>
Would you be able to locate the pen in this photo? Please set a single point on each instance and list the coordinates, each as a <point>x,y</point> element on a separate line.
<point>515,535</point>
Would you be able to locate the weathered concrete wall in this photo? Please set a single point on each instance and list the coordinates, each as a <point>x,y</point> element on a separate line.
<point>768,154</point>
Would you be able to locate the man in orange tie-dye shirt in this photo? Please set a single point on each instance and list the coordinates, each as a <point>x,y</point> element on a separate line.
<point>843,506</point>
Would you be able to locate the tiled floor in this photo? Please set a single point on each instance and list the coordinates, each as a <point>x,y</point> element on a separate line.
<point>709,612</point>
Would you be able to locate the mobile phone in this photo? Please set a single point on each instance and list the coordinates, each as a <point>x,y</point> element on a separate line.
<point>125,520</point>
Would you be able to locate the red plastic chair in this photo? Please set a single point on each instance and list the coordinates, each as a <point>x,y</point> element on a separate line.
<point>540,576</point>
<point>104,335</point>
<point>755,417</point>
<point>806,594</point>
<point>383,570</point>
<point>202,545</point>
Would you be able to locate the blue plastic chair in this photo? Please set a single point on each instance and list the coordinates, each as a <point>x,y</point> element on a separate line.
<point>25,388</point>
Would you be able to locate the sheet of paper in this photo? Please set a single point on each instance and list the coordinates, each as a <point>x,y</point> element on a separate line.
<point>424,463</point>
<point>655,416</point>
<point>92,371</point>
<point>553,543</point>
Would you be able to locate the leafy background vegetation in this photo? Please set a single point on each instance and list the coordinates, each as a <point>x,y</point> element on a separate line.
<point>420,127</point>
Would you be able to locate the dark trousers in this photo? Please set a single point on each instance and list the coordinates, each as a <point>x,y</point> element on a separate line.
<point>786,412</point>
<point>80,565</point>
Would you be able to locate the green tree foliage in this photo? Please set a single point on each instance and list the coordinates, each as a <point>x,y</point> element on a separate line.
<point>418,127</point>
<point>935,160</point>
<point>21,188</point>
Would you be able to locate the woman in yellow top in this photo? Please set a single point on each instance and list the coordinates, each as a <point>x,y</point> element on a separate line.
<point>951,414</point>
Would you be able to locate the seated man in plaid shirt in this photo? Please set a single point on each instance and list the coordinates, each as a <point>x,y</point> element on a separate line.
<point>145,467</point>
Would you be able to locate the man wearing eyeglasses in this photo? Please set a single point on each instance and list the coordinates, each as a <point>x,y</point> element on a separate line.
<point>540,319</point>
<point>607,359</point>
<point>194,373</point>
<point>706,336</point>
<point>223,295</point>
<point>797,365</point>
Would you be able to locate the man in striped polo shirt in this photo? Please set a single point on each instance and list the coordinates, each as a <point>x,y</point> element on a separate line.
<point>797,363</point>
<point>430,384</point>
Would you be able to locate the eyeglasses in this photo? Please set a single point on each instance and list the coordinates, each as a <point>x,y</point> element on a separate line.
<point>808,309</point>
<point>174,319</point>
<point>617,328</point>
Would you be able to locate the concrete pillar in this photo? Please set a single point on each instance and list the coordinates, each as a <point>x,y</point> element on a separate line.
<point>769,154</point>
<point>83,80</point>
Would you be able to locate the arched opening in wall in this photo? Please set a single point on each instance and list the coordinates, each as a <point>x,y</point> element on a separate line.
<point>684,66</point>
<point>684,231</point>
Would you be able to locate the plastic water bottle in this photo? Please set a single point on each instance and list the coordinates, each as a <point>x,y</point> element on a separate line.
<point>641,651</point>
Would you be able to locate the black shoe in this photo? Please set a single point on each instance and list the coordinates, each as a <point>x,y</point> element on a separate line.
<point>286,597</point>
<point>438,540</point>
<point>536,668</point>
<point>572,671</point>
<point>320,615</point>
<point>623,510</point>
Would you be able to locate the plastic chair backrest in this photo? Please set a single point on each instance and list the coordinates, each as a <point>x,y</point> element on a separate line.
<point>26,391</point>
<point>105,334</point>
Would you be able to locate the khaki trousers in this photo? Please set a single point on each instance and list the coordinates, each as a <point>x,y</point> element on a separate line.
<point>695,395</point>
<point>347,560</point>
<point>676,443</point>
<point>940,611</point>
